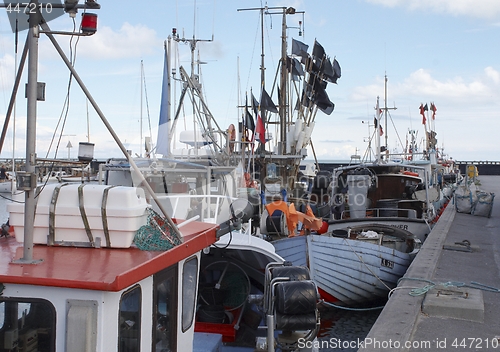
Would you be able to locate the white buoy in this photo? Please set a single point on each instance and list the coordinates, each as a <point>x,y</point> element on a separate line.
<point>298,128</point>
<point>300,141</point>
<point>308,132</point>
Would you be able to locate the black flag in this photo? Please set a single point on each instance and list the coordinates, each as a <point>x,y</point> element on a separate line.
<point>336,69</point>
<point>248,121</point>
<point>318,52</point>
<point>266,103</point>
<point>299,48</point>
<point>255,106</point>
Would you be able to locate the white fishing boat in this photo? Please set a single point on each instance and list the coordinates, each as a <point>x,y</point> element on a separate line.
<point>94,267</point>
<point>356,266</point>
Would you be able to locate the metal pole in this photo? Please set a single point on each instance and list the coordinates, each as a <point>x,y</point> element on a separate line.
<point>29,210</point>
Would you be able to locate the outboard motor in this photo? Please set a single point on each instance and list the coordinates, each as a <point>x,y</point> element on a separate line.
<point>290,303</point>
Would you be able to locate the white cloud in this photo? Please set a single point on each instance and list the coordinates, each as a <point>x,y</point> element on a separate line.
<point>479,9</point>
<point>493,74</point>
<point>130,41</point>
<point>422,85</point>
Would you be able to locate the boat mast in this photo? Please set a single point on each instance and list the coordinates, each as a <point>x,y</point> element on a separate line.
<point>283,103</point>
<point>141,78</point>
<point>378,153</point>
<point>385,113</point>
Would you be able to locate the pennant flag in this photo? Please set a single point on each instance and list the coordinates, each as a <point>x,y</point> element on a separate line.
<point>266,103</point>
<point>433,109</point>
<point>299,48</point>
<point>323,102</point>
<point>318,52</point>
<point>162,143</point>
<point>422,112</point>
<point>260,130</point>
<point>248,121</point>
<point>315,90</point>
<point>336,70</point>
<point>295,68</point>
<point>255,106</point>
<point>330,70</point>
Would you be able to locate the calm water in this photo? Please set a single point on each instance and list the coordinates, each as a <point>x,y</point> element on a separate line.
<point>341,329</point>
<point>338,327</point>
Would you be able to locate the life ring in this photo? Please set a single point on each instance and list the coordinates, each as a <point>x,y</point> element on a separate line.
<point>410,173</point>
<point>231,131</point>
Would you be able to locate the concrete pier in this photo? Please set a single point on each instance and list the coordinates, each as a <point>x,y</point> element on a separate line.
<point>454,303</point>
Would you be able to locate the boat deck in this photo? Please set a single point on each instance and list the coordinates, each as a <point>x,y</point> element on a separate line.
<point>107,269</point>
<point>461,315</point>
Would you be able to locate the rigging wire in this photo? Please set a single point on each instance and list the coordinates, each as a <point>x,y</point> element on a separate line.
<point>66,104</point>
<point>393,125</point>
<point>147,102</point>
<point>65,109</point>
<point>253,54</point>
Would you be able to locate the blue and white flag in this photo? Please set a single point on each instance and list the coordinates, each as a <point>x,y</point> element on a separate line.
<point>162,144</point>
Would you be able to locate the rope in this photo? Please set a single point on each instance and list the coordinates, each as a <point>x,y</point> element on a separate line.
<point>349,308</point>
<point>418,291</point>
<point>366,265</point>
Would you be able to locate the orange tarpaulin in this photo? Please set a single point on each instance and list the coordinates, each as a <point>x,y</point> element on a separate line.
<point>293,217</point>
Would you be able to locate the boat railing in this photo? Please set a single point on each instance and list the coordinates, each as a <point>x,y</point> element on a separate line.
<point>213,209</point>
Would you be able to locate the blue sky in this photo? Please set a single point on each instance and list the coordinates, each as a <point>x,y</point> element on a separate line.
<point>441,51</point>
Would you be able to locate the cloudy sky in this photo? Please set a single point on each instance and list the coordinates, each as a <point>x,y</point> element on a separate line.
<point>441,51</point>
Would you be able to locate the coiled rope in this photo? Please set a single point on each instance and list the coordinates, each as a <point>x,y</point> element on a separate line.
<point>418,291</point>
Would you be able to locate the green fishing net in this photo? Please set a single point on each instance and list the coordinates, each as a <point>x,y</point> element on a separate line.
<point>156,235</point>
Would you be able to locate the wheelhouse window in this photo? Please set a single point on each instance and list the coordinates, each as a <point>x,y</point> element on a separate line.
<point>165,310</point>
<point>189,281</point>
<point>129,335</point>
<point>27,325</point>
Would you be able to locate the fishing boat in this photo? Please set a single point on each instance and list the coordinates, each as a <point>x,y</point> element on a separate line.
<point>395,203</point>
<point>375,226</point>
<point>354,266</point>
<point>94,267</point>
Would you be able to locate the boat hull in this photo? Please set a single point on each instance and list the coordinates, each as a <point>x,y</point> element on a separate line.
<point>347,272</point>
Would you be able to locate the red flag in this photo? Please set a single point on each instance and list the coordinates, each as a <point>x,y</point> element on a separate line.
<point>260,130</point>
<point>422,109</point>
<point>381,131</point>
<point>433,109</point>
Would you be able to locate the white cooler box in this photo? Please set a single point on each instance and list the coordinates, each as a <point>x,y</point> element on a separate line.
<point>126,212</point>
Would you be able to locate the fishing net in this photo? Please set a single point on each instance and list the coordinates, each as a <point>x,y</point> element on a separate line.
<point>156,235</point>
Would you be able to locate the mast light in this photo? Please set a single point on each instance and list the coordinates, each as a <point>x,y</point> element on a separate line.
<point>89,23</point>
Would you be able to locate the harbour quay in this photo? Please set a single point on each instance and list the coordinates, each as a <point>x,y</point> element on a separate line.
<point>449,298</point>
